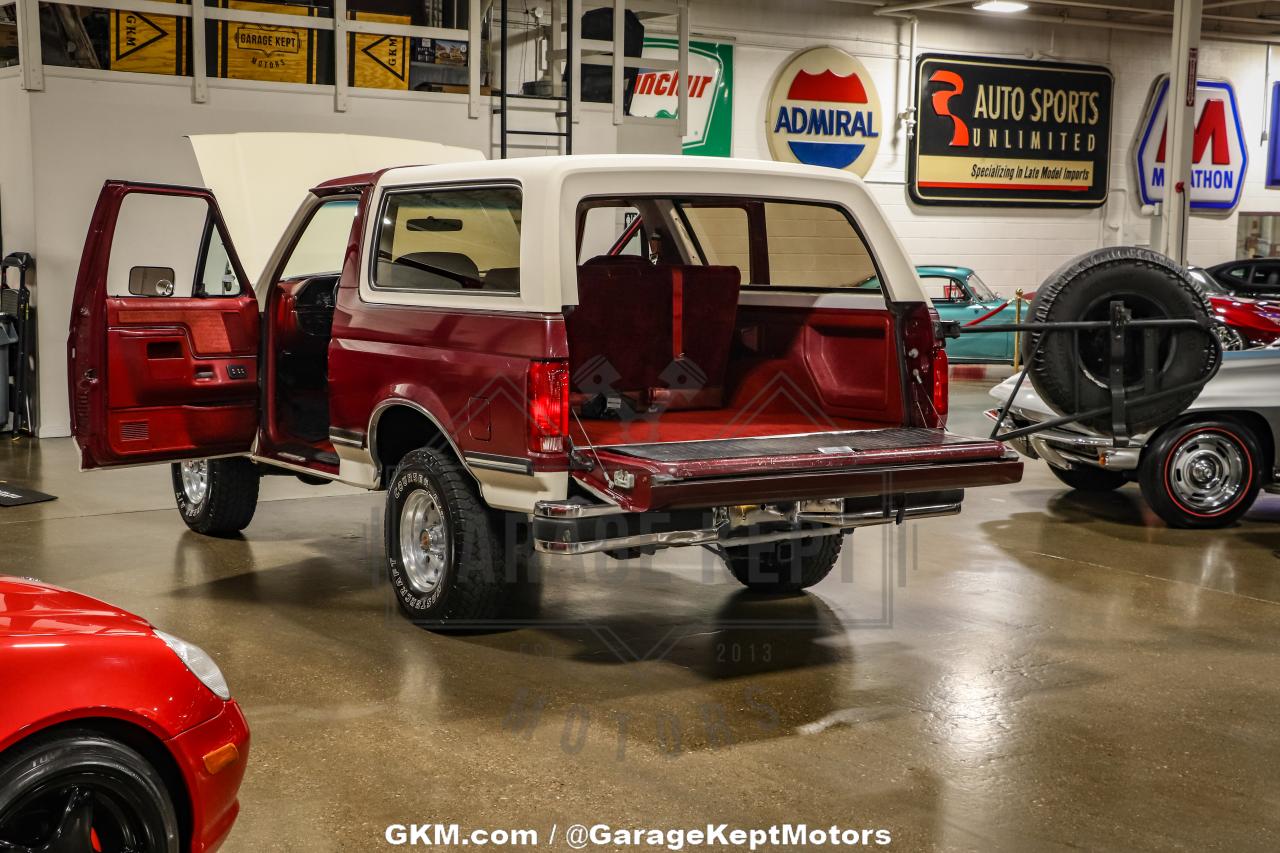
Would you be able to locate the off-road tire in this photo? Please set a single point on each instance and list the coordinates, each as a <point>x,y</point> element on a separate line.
<point>229,502</point>
<point>787,566</point>
<point>1150,285</point>
<point>1086,479</point>
<point>1159,474</point>
<point>471,587</point>
<point>91,762</point>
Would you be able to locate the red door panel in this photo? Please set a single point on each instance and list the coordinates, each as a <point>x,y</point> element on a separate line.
<point>155,378</point>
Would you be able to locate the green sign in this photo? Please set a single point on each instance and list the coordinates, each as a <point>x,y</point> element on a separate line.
<point>657,93</point>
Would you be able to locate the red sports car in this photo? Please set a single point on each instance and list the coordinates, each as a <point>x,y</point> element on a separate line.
<point>114,737</point>
<point>1250,321</point>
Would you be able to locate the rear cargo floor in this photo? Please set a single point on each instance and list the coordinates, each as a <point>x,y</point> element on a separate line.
<point>707,425</point>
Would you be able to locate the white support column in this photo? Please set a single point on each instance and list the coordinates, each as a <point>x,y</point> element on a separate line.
<point>682,86</point>
<point>340,58</point>
<point>619,59</point>
<point>1182,119</point>
<point>574,20</point>
<point>474,58</point>
<point>199,63</point>
<point>29,52</point>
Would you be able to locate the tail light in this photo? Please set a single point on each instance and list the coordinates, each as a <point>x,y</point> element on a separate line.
<point>548,406</point>
<point>941,383</point>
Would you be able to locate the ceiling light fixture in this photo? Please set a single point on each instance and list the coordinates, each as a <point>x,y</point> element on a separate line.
<point>1002,6</point>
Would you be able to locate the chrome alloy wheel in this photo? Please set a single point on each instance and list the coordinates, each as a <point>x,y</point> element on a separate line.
<point>195,480</point>
<point>1207,473</point>
<point>425,548</point>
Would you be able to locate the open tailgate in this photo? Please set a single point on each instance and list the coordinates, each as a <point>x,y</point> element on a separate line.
<point>732,471</point>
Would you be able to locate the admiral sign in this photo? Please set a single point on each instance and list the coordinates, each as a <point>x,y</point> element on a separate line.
<point>1007,132</point>
<point>1219,156</point>
<point>824,111</point>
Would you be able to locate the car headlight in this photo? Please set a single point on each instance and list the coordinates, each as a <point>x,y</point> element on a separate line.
<point>198,661</point>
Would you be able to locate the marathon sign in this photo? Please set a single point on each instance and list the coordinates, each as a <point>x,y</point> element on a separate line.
<point>1219,156</point>
<point>995,132</point>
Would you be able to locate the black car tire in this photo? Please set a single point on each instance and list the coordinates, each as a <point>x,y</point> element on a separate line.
<point>461,575</point>
<point>1151,287</point>
<point>783,567</point>
<point>122,799</point>
<point>1087,479</point>
<point>1168,476</point>
<point>229,497</point>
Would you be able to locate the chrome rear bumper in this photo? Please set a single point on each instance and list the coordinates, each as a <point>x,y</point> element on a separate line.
<point>561,527</point>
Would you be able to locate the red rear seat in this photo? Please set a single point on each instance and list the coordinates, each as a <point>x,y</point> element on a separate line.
<point>616,332</point>
<point>660,334</point>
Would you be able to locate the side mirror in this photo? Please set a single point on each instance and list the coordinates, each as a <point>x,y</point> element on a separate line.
<point>151,281</point>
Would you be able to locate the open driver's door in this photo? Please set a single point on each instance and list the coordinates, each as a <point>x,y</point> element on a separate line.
<point>162,357</point>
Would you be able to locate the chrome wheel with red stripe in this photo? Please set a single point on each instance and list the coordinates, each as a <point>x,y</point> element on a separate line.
<point>1202,474</point>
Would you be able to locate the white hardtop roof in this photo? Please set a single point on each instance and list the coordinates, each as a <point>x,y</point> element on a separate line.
<point>552,188</point>
<point>549,169</point>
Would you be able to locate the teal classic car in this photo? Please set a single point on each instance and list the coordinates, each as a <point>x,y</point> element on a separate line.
<point>959,294</point>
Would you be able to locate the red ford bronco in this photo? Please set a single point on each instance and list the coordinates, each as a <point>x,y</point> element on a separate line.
<point>615,354</point>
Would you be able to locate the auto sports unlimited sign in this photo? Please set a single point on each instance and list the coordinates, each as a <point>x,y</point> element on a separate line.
<point>824,111</point>
<point>657,94</point>
<point>1006,132</point>
<point>1219,156</point>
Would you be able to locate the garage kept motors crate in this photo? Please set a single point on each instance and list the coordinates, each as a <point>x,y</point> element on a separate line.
<point>1120,365</point>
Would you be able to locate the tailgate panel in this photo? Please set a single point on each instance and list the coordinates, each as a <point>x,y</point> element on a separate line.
<point>795,467</point>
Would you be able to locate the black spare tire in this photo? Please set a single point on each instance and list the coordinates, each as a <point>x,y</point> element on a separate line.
<point>1070,371</point>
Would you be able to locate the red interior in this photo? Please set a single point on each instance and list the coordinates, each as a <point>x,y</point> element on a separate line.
<point>181,375</point>
<point>693,364</point>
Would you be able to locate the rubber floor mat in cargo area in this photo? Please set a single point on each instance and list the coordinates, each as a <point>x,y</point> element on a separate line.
<point>836,443</point>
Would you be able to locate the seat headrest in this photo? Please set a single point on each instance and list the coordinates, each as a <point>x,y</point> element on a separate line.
<point>454,262</point>
<point>616,260</point>
<point>502,278</point>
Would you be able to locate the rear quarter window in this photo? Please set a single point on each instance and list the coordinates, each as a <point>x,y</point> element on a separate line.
<point>464,239</point>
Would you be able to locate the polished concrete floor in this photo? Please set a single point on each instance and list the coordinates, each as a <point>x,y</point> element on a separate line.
<point>1046,671</point>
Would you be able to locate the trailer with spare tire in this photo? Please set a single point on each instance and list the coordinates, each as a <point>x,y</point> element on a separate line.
<point>1119,344</point>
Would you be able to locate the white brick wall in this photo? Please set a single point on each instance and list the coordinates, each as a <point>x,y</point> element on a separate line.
<point>1010,248</point>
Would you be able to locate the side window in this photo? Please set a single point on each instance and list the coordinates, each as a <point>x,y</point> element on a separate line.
<point>168,246</point>
<point>322,246</point>
<point>724,236</point>
<point>813,245</point>
<point>1237,272</point>
<point>943,289</point>
<point>217,273</point>
<point>604,226</point>
<point>450,239</point>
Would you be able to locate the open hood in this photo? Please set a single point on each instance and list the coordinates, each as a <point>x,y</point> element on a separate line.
<point>260,179</point>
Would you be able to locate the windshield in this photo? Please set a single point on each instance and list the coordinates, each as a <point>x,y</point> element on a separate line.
<point>979,289</point>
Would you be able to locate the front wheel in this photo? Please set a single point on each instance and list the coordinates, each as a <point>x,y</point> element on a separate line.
<point>786,566</point>
<point>79,792</point>
<point>444,555</point>
<point>216,497</point>
<point>1202,475</point>
<point>1090,479</point>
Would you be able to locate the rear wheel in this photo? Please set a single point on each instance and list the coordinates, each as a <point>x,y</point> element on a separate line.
<point>787,566</point>
<point>216,497</point>
<point>79,792</point>
<point>445,557</point>
<point>1090,479</point>
<point>1202,475</point>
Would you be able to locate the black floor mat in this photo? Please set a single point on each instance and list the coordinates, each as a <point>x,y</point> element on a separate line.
<point>850,441</point>
<point>16,496</point>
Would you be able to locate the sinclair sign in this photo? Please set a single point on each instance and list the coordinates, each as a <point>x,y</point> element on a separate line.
<point>657,93</point>
<point>1219,157</point>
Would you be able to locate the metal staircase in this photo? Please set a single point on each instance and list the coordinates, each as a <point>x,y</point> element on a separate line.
<point>560,77</point>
